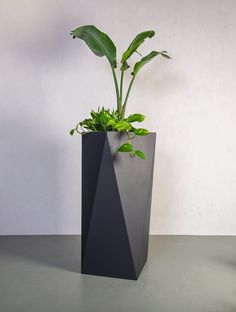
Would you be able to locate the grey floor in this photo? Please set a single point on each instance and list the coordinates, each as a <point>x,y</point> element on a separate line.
<point>183,273</point>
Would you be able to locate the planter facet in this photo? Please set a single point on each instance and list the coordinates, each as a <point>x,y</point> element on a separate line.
<point>116,203</point>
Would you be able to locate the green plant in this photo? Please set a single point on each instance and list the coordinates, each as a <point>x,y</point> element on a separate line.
<point>104,119</point>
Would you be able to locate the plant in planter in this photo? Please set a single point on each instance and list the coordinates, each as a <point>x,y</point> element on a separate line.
<point>104,120</point>
<point>116,189</point>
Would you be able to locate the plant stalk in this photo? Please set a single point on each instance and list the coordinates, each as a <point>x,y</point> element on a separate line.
<point>117,88</point>
<point>127,96</point>
<point>121,88</point>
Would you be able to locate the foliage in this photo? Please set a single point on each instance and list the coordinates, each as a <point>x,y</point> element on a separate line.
<point>105,120</point>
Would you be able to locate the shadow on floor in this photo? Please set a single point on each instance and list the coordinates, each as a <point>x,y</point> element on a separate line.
<point>227,262</point>
<point>224,252</point>
<point>61,251</point>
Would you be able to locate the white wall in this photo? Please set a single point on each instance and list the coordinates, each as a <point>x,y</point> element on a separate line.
<point>49,82</point>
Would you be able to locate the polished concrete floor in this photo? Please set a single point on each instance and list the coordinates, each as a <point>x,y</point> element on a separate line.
<point>183,274</point>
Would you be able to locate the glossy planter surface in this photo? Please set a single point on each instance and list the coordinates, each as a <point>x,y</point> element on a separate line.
<point>116,203</point>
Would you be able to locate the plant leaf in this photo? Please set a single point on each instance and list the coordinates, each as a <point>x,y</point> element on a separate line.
<point>127,147</point>
<point>141,131</point>
<point>140,154</point>
<point>104,117</point>
<point>111,122</point>
<point>122,125</point>
<point>124,66</point>
<point>72,132</point>
<point>143,61</point>
<point>135,117</point>
<point>138,40</point>
<point>163,53</point>
<point>97,41</point>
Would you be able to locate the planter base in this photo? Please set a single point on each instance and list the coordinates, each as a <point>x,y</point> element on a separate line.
<point>116,201</point>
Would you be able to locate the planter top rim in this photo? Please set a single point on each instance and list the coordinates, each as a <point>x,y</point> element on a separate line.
<point>117,132</point>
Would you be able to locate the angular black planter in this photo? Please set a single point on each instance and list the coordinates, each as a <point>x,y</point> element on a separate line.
<point>116,202</point>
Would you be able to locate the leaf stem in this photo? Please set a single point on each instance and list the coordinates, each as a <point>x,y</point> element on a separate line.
<point>77,130</point>
<point>128,137</point>
<point>127,96</point>
<point>131,154</point>
<point>121,88</point>
<point>117,88</point>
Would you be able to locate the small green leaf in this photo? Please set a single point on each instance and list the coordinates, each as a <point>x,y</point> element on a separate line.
<point>122,125</point>
<point>140,154</point>
<point>111,122</point>
<point>127,147</point>
<point>141,131</point>
<point>104,117</point>
<point>93,114</point>
<point>136,117</point>
<point>72,132</point>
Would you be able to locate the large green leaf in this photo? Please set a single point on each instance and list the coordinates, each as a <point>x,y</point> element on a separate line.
<point>141,131</point>
<point>138,40</point>
<point>97,41</point>
<point>122,125</point>
<point>135,118</point>
<point>144,61</point>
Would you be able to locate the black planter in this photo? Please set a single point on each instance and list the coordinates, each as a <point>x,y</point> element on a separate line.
<point>116,202</point>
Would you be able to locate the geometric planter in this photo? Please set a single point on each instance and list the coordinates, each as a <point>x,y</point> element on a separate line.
<point>116,204</point>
